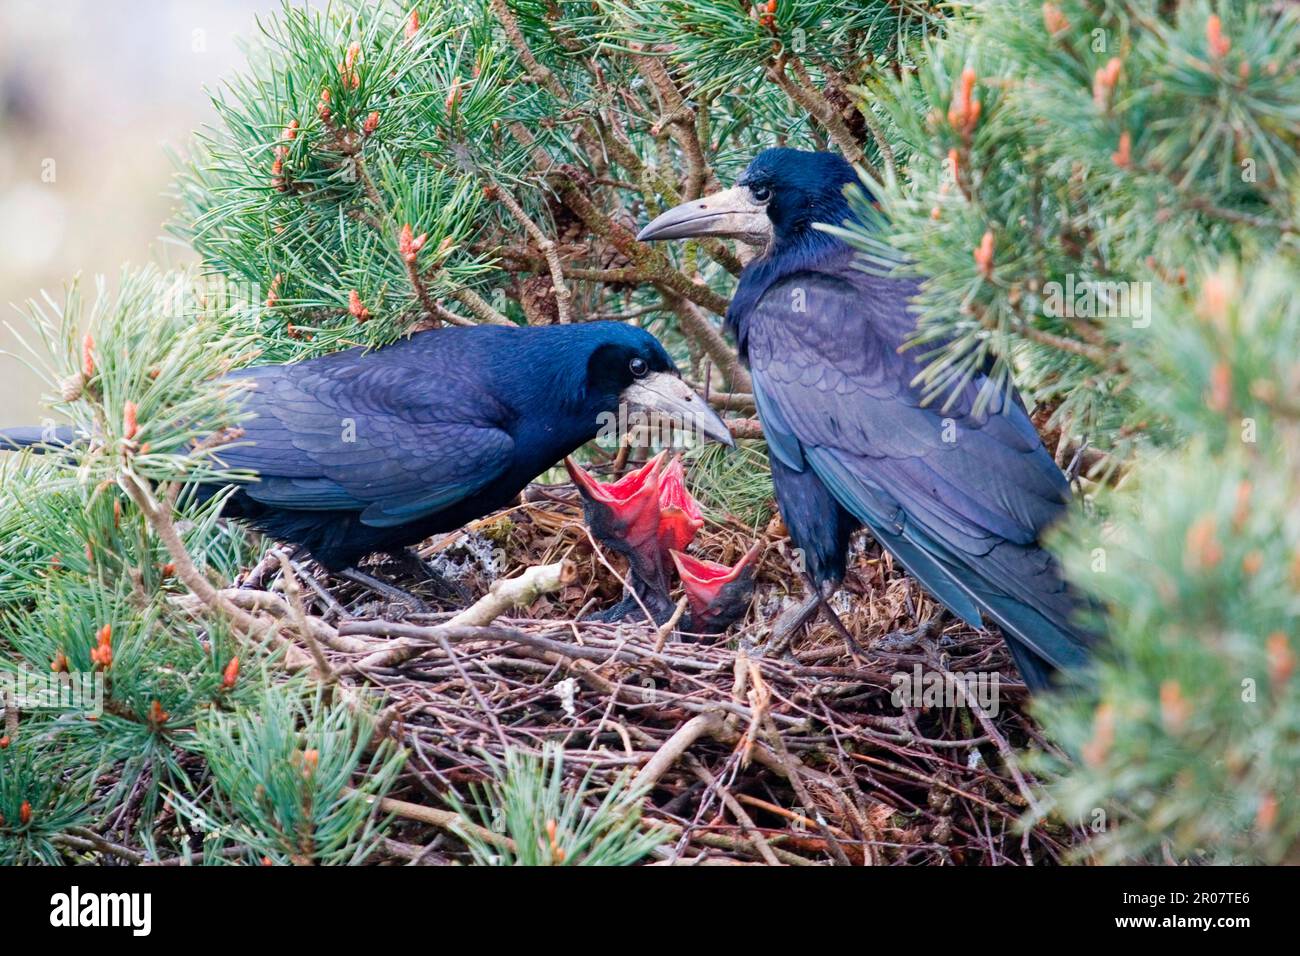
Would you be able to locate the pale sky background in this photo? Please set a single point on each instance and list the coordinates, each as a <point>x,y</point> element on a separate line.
<point>100,88</point>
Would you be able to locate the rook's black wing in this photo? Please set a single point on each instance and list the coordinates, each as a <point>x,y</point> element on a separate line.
<point>363,434</point>
<point>959,499</point>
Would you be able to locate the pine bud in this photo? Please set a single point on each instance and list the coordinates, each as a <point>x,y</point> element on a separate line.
<point>1104,82</point>
<point>157,716</point>
<point>408,246</point>
<point>1218,43</point>
<point>130,424</point>
<point>1054,19</point>
<point>1281,659</point>
<point>964,112</point>
<point>273,294</point>
<point>88,356</point>
<point>358,311</point>
<point>4,742</point>
<point>290,131</point>
<point>1266,813</point>
<point>984,255</point>
<point>1097,749</point>
<point>1202,550</point>
<point>102,653</point>
<point>310,761</point>
<point>413,24</point>
<point>323,108</point>
<point>453,95</point>
<point>60,663</point>
<point>1123,157</point>
<point>25,812</point>
<point>230,674</point>
<point>372,123</point>
<point>1220,397</point>
<point>1174,709</point>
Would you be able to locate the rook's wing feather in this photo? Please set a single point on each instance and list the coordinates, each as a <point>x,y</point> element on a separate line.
<point>368,436</point>
<point>960,499</point>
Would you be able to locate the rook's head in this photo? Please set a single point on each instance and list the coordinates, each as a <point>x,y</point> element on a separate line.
<point>628,365</point>
<point>777,199</point>
<point>718,595</point>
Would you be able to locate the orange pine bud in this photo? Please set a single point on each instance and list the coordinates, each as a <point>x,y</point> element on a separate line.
<point>25,812</point>
<point>1104,82</point>
<point>4,742</point>
<point>984,255</point>
<point>964,112</point>
<point>1218,43</point>
<point>130,425</point>
<point>1123,157</point>
<point>88,355</point>
<point>273,294</point>
<point>413,24</point>
<point>1174,708</point>
<point>167,570</point>
<point>1054,19</point>
<point>1281,659</point>
<point>310,761</point>
<point>1220,397</point>
<point>1097,749</point>
<point>453,95</point>
<point>290,131</point>
<point>1202,548</point>
<point>408,245</point>
<point>1266,814</point>
<point>60,663</point>
<point>157,716</point>
<point>358,311</point>
<point>230,674</point>
<point>372,123</point>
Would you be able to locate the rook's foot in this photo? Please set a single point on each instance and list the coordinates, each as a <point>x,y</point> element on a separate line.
<point>384,589</point>
<point>790,623</point>
<point>444,588</point>
<point>896,641</point>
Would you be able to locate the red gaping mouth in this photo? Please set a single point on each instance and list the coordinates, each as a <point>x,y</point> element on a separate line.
<point>679,514</point>
<point>704,580</point>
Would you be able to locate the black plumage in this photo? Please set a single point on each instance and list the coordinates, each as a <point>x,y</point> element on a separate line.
<point>960,499</point>
<point>360,451</point>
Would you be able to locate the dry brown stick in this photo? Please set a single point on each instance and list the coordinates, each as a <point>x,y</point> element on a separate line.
<point>666,628</point>
<point>443,819</point>
<point>743,818</point>
<point>297,614</point>
<point>801,791</point>
<point>701,725</point>
<point>161,521</point>
<point>503,595</point>
<point>544,243</point>
<point>710,338</point>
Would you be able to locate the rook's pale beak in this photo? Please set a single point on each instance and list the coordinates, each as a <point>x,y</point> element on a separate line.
<point>666,393</point>
<point>731,213</point>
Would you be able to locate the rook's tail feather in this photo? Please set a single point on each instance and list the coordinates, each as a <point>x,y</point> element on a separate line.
<point>36,437</point>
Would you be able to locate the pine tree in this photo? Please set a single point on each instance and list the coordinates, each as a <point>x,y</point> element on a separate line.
<point>1101,195</point>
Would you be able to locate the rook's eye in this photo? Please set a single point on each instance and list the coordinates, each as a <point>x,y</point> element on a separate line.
<point>760,193</point>
<point>638,367</point>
